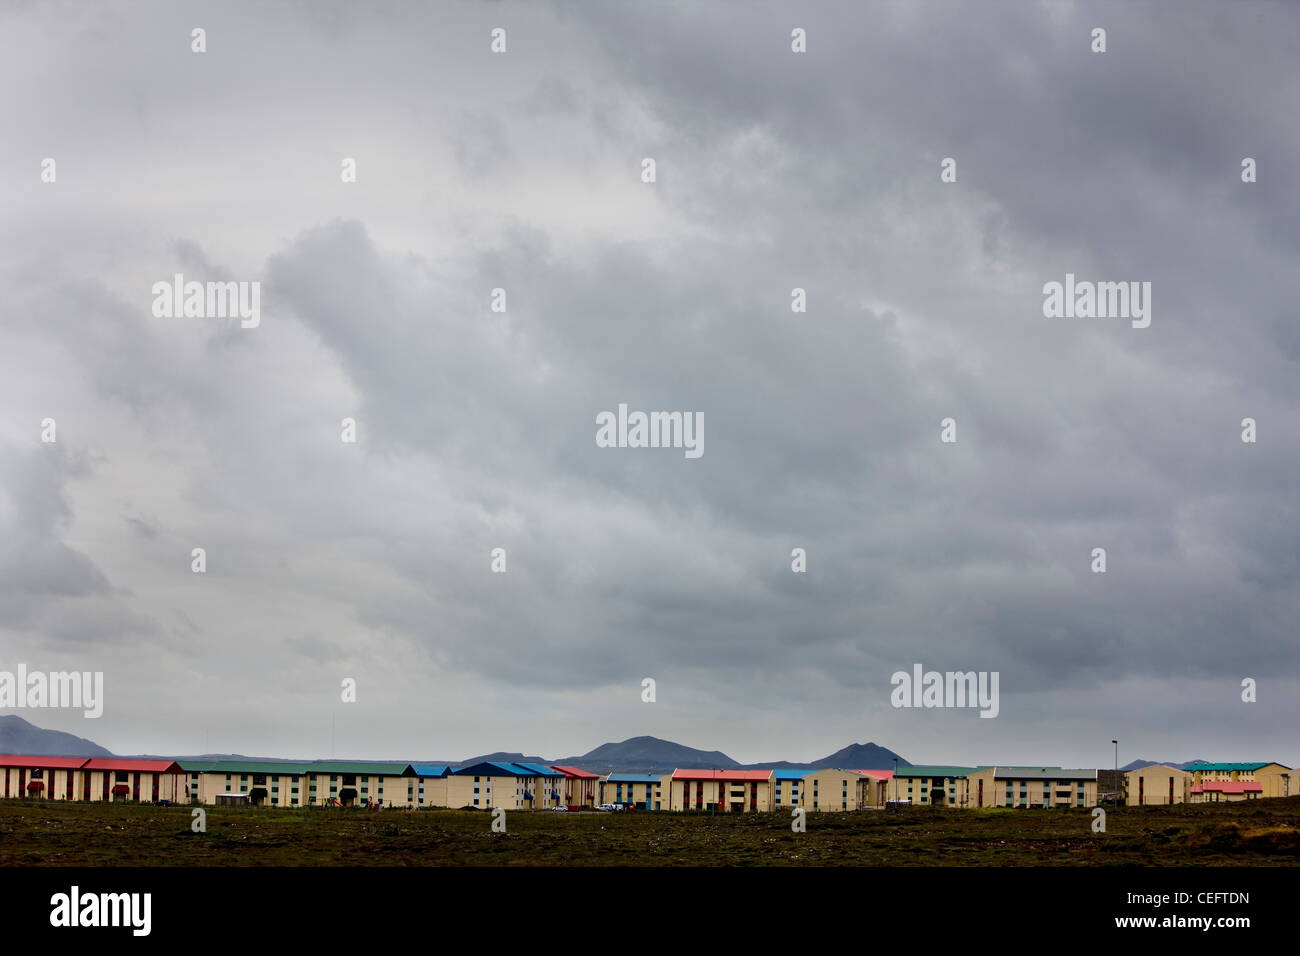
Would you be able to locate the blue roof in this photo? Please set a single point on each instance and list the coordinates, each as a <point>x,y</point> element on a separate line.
<point>489,768</point>
<point>633,778</point>
<point>540,770</point>
<point>791,774</point>
<point>431,769</point>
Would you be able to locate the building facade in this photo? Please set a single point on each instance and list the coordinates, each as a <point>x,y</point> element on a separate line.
<point>937,786</point>
<point>548,784</point>
<point>1273,778</point>
<point>838,791</point>
<point>91,779</point>
<point>431,785</point>
<point>1045,787</point>
<point>1158,785</point>
<point>787,787</point>
<point>581,787</point>
<point>41,778</point>
<point>643,791</point>
<point>720,791</point>
<point>488,785</point>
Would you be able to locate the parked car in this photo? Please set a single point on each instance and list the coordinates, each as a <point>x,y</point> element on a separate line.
<point>606,806</point>
<point>618,806</point>
<point>559,809</point>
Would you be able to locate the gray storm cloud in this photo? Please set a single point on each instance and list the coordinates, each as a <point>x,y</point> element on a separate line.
<point>476,429</point>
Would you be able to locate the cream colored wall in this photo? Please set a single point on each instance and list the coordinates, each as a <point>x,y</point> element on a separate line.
<point>789,797</point>
<point>995,791</point>
<point>680,800</point>
<point>460,792</point>
<point>1155,789</point>
<point>1272,780</point>
<point>582,791</point>
<point>824,791</point>
<point>436,792</point>
<point>956,790</point>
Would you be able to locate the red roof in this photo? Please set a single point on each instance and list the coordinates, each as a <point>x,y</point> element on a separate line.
<point>575,772</point>
<point>1228,786</point>
<point>143,766</point>
<point>47,763</point>
<point>722,774</point>
<point>876,774</point>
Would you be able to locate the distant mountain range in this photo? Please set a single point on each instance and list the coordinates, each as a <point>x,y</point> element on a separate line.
<point>634,755</point>
<point>17,736</point>
<point>652,755</point>
<point>1139,764</point>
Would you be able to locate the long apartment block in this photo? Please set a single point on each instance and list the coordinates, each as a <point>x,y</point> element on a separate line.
<point>490,785</point>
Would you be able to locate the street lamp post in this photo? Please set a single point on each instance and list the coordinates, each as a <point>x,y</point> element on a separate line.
<point>1116,777</point>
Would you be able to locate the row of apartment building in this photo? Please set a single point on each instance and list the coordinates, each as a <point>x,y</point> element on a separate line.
<point>1205,782</point>
<point>533,786</point>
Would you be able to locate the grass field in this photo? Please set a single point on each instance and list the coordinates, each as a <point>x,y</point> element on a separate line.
<point>1266,832</point>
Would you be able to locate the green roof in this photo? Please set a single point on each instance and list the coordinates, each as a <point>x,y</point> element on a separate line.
<point>1229,766</point>
<point>922,771</point>
<point>362,767</point>
<point>1042,773</point>
<point>316,766</point>
<point>243,766</point>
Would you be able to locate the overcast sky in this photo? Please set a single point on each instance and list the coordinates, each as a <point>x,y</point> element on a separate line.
<point>476,430</point>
